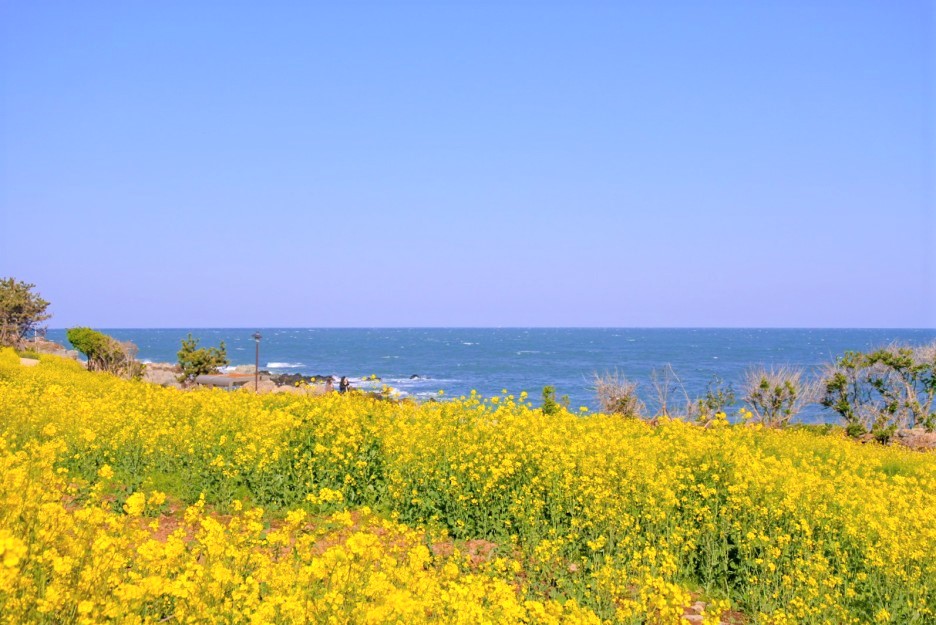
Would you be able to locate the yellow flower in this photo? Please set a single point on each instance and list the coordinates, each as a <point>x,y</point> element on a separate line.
<point>450,570</point>
<point>12,549</point>
<point>135,504</point>
<point>626,515</point>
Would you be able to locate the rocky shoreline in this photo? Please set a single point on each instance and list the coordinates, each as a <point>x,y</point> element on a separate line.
<point>242,376</point>
<point>167,374</point>
<point>45,346</point>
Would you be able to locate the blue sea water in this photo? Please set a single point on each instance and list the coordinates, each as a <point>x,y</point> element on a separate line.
<point>459,360</point>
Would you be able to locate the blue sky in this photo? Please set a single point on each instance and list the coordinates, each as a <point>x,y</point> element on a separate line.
<point>185,164</point>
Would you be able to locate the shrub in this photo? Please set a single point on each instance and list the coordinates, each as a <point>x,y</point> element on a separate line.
<point>105,353</point>
<point>775,396</point>
<point>718,397</point>
<point>550,405</point>
<point>617,395</point>
<point>195,361</point>
<point>665,384</point>
<point>883,390</point>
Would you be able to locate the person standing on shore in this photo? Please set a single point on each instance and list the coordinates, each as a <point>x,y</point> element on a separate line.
<point>344,386</point>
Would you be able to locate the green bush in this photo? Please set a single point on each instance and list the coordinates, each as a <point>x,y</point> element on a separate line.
<point>21,310</point>
<point>883,390</point>
<point>776,396</point>
<point>718,397</point>
<point>196,361</point>
<point>105,353</point>
<point>550,405</point>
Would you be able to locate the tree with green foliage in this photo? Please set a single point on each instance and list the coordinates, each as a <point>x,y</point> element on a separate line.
<point>21,310</point>
<point>880,391</point>
<point>92,344</point>
<point>105,353</point>
<point>777,395</point>
<point>550,405</point>
<point>196,361</point>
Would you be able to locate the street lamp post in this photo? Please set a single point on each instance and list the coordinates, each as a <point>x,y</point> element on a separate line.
<point>257,337</point>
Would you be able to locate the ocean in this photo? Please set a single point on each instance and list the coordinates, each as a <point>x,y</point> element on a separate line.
<point>419,362</point>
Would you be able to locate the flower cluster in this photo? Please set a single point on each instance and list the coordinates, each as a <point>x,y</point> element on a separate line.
<point>130,502</point>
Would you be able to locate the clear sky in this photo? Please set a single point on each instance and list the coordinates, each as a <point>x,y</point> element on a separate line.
<point>185,164</point>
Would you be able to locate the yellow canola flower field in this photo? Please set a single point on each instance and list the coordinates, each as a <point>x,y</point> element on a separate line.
<point>126,502</point>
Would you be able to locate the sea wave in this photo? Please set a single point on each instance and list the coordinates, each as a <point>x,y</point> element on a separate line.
<point>284,365</point>
<point>422,380</point>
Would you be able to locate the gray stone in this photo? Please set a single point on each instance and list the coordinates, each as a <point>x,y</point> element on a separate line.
<point>917,438</point>
<point>162,377</point>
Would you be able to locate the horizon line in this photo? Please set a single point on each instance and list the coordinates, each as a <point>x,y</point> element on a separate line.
<point>505,327</point>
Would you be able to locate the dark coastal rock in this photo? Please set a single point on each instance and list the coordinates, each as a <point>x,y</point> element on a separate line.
<point>292,379</point>
<point>415,377</point>
<point>288,379</point>
<point>380,396</point>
